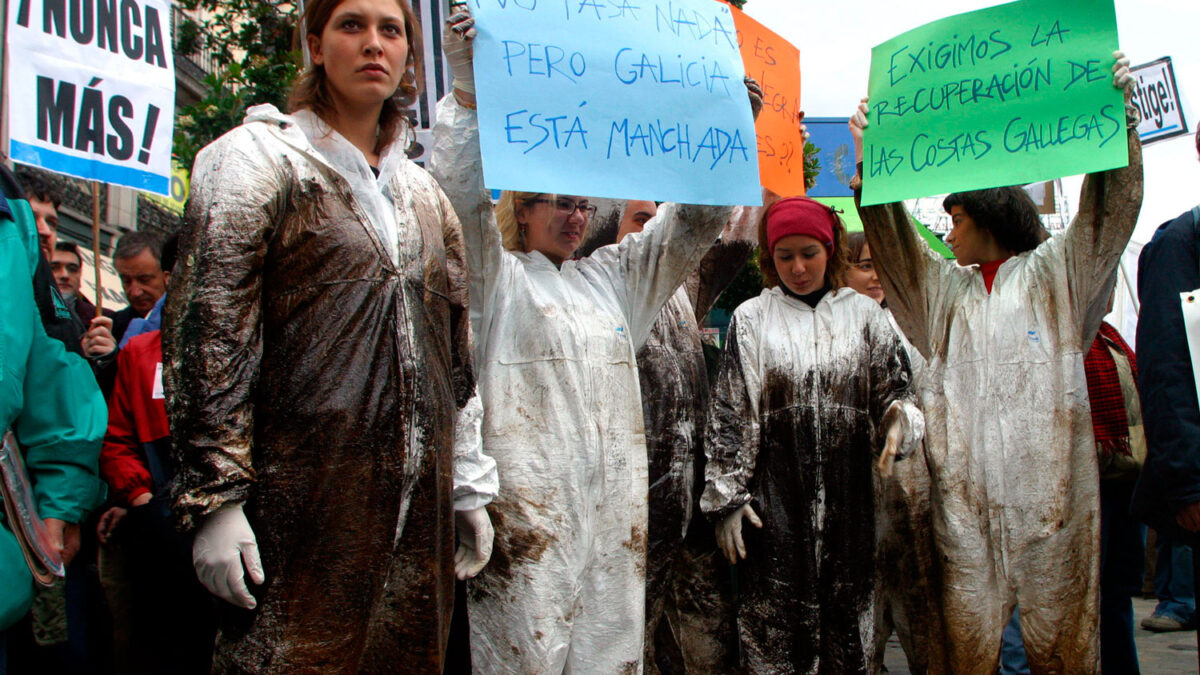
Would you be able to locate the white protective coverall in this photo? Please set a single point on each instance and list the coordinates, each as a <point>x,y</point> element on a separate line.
<point>1009,444</point>
<point>799,411</point>
<point>563,419</point>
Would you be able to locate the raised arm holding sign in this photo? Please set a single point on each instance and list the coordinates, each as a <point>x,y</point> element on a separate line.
<point>1004,331</point>
<point>555,345</point>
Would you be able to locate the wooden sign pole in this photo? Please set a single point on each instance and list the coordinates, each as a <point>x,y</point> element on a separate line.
<point>96,246</point>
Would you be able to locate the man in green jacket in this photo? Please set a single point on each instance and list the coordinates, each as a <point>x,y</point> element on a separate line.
<point>51,402</point>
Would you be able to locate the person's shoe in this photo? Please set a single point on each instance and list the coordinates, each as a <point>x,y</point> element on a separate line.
<point>1160,623</point>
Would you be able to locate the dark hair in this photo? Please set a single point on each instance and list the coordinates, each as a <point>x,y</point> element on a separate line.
<point>312,90</point>
<point>40,189</point>
<point>133,243</point>
<point>170,251</point>
<point>1007,213</point>
<point>69,247</point>
<point>835,268</point>
<point>1198,140</point>
<point>855,241</point>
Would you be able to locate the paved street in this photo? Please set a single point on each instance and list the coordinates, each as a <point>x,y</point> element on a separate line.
<point>1159,653</point>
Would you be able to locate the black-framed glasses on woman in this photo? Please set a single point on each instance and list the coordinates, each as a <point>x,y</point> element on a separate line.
<point>566,205</point>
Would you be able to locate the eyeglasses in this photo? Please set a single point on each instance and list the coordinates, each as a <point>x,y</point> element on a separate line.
<point>70,267</point>
<point>566,205</point>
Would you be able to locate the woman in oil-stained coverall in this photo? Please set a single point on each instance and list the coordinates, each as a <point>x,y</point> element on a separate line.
<point>813,383</point>
<point>50,401</point>
<point>1009,443</point>
<point>555,346</point>
<point>908,599</point>
<point>317,357</point>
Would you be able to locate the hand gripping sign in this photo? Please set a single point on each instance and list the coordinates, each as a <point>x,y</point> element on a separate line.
<point>614,98</point>
<point>92,89</point>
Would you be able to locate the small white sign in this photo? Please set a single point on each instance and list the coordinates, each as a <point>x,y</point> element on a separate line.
<point>157,393</point>
<point>1157,97</point>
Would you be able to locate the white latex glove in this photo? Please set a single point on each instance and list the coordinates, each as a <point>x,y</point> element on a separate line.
<point>224,543</point>
<point>475,533</point>
<point>458,43</point>
<point>729,533</point>
<point>892,447</point>
<point>858,122</point>
<point>1122,78</point>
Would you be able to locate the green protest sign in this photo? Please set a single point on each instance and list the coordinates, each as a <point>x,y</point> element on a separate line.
<point>1007,95</point>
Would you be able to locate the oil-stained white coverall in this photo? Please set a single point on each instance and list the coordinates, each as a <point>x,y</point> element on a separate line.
<point>1009,430</point>
<point>799,409</point>
<point>563,419</point>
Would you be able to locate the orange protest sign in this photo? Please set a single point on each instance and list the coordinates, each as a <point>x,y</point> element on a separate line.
<point>775,64</point>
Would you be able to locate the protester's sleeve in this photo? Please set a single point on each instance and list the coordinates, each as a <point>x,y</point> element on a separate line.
<point>1109,203</point>
<point>731,439</point>
<point>914,276</point>
<point>1169,265</point>
<point>457,165</point>
<point>724,260</point>
<point>61,416</point>
<point>476,481</point>
<point>121,465</point>
<point>458,286</point>
<point>893,396</point>
<point>212,337</point>
<point>61,426</point>
<point>648,266</point>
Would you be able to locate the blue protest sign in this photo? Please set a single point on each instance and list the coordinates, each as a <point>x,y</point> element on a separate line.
<point>614,99</point>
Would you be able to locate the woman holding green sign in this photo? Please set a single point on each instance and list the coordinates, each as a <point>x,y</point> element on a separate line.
<point>555,351</point>
<point>1009,443</point>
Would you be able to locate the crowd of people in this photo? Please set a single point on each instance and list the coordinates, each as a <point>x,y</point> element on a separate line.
<point>370,391</point>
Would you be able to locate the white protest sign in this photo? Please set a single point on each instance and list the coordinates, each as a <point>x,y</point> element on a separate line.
<point>619,99</point>
<point>1156,96</point>
<point>114,296</point>
<point>92,89</point>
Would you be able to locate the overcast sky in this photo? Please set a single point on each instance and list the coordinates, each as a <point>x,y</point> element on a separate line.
<point>835,41</point>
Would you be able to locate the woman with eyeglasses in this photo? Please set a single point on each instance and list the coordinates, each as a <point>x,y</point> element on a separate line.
<point>812,385</point>
<point>906,599</point>
<point>555,352</point>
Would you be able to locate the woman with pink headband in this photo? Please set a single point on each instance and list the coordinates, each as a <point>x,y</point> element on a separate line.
<point>812,384</point>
